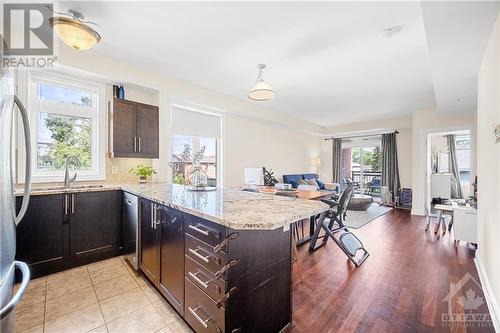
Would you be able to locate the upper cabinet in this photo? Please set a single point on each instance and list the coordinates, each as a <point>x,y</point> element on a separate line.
<point>133,129</point>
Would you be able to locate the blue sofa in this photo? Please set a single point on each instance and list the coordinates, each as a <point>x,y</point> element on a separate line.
<point>294,179</point>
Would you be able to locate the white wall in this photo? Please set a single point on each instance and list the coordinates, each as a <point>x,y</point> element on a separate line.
<point>424,122</point>
<point>262,136</point>
<point>251,143</point>
<point>488,163</point>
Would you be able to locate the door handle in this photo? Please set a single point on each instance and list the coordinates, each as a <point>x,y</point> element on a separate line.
<point>20,292</point>
<point>152,215</point>
<point>73,204</point>
<point>139,143</point>
<point>135,143</point>
<point>27,175</point>
<point>195,252</point>
<point>66,204</point>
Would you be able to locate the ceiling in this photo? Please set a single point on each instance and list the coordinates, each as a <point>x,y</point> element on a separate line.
<point>327,61</point>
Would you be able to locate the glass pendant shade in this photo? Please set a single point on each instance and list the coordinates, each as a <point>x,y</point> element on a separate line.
<point>75,34</point>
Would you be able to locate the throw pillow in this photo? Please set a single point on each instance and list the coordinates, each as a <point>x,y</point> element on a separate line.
<point>321,184</point>
<point>313,182</point>
<point>294,183</point>
<point>303,182</point>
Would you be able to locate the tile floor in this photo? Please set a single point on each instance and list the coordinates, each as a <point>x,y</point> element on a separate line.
<point>103,297</point>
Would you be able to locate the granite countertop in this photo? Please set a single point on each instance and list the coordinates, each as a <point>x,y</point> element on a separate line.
<point>230,207</point>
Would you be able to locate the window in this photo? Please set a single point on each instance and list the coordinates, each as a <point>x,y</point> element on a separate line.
<point>67,119</point>
<point>183,149</point>
<point>194,132</point>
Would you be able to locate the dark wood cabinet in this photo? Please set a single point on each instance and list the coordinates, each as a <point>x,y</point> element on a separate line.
<point>133,129</point>
<point>172,257</point>
<point>42,235</point>
<point>149,255</point>
<point>94,225</point>
<point>61,231</point>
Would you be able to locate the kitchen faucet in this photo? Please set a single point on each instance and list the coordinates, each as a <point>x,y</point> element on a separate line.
<point>67,180</point>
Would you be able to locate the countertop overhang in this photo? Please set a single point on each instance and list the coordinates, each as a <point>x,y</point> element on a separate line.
<point>230,207</point>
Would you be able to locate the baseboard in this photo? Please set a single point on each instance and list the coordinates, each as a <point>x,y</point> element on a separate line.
<point>488,293</point>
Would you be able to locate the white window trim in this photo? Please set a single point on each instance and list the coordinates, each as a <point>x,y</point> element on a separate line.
<point>98,116</point>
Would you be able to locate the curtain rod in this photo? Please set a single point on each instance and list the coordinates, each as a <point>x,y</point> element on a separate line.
<point>359,136</point>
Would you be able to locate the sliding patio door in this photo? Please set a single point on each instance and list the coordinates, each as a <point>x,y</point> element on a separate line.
<point>362,164</point>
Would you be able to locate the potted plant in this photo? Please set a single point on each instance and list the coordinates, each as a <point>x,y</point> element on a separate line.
<point>144,172</point>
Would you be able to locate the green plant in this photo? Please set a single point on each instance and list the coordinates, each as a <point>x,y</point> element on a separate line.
<point>180,179</point>
<point>143,170</point>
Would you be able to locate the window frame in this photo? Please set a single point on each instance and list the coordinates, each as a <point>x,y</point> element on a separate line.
<point>35,106</point>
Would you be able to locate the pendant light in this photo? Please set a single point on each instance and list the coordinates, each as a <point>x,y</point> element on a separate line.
<point>74,32</point>
<point>261,90</point>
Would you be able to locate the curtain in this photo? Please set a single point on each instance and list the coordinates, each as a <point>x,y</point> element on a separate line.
<point>336,160</point>
<point>390,169</point>
<point>456,189</point>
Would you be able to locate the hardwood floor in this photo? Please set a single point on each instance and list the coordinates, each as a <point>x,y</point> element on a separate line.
<point>399,288</point>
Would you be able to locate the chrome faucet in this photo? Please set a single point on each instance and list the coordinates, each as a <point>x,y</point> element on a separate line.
<point>67,180</point>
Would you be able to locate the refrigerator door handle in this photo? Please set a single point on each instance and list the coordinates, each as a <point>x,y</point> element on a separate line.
<point>20,292</point>
<point>27,143</point>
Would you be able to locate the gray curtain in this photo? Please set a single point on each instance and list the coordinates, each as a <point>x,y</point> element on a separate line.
<point>456,189</point>
<point>336,160</point>
<point>390,169</point>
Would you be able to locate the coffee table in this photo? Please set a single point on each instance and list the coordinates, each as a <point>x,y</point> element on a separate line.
<point>360,202</point>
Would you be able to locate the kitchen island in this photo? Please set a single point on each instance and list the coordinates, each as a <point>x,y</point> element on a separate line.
<point>222,258</point>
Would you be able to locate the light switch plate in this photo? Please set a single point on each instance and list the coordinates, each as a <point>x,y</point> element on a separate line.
<point>286,227</point>
<point>114,170</point>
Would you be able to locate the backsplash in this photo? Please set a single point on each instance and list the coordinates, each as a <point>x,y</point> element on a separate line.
<point>123,165</point>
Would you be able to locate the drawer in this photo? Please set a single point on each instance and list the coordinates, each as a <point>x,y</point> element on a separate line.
<point>201,312</point>
<point>209,232</point>
<point>205,280</point>
<point>204,255</point>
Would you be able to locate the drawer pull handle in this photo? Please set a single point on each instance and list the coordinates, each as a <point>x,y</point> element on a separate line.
<point>226,240</point>
<point>195,252</point>
<point>203,322</point>
<point>197,279</point>
<point>222,302</point>
<point>226,267</point>
<point>204,232</point>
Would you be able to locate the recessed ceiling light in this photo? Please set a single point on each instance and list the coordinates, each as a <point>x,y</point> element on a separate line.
<point>391,31</point>
<point>460,99</point>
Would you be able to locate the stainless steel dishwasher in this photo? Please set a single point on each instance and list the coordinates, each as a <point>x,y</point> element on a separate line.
<point>130,228</point>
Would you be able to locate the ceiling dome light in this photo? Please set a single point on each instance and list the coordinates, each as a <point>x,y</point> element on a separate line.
<point>74,32</point>
<point>261,90</point>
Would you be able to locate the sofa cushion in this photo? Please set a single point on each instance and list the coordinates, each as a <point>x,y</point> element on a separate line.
<point>292,179</point>
<point>312,182</point>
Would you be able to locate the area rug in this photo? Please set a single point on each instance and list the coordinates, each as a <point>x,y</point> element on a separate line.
<point>356,219</point>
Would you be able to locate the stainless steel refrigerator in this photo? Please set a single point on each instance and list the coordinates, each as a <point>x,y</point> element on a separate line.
<point>9,104</point>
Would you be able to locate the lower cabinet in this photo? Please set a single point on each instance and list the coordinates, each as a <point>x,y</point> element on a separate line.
<point>162,250</point>
<point>172,257</point>
<point>149,255</point>
<point>42,236</point>
<point>61,231</point>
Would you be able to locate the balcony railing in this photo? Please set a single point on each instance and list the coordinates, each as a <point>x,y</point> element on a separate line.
<point>367,178</point>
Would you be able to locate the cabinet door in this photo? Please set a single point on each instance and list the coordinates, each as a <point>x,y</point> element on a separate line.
<point>123,129</point>
<point>41,236</point>
<point>172,257</point>
<point>94,228</point>
<point>147,130</point>
<point>150,242</point>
